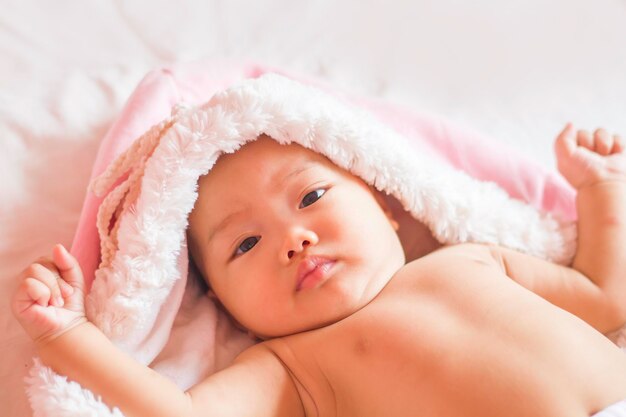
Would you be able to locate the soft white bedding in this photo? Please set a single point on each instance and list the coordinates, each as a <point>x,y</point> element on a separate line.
<point>516,70</point>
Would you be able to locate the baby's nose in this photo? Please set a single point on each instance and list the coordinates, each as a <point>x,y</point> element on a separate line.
<point>296,241</point>
<point>292,252</point>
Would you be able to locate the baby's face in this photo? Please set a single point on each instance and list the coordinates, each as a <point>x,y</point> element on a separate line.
<point>288,241</point>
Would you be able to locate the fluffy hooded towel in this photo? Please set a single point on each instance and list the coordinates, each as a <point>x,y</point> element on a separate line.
<point>142,298</point>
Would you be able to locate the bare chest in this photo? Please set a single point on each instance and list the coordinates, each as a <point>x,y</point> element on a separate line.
<point>435,351</point>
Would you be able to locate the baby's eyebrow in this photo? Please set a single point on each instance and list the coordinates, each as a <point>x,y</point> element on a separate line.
<point>306,166</point>
<point>224,223</point>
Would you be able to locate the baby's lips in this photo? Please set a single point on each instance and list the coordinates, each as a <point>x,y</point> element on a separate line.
<point>309,265</point>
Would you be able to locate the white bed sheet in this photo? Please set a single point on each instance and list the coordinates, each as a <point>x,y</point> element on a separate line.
<point>517,70</point>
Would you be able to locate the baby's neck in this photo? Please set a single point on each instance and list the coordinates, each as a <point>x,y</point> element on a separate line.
<point>417,239</point>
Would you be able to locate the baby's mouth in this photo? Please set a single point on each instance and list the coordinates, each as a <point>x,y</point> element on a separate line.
<point>313,270</point>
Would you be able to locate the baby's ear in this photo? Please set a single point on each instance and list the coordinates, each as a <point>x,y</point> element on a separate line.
<point>382,202</point>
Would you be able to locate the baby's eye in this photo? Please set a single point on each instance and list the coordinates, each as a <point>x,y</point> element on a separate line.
<point>247,244</point>
<point>312,197</point>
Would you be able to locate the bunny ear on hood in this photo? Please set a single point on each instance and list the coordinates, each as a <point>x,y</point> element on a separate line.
<point>139,289</point>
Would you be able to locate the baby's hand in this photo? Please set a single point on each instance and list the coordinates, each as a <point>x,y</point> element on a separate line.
<point>50,298</point>
<point>585,161</point>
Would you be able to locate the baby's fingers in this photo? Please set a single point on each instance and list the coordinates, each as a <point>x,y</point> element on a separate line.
<point>66,289</point>
<point>36,291</point>
<point>49,279</point>
<point>68,267</point>
<point>618,144</point>
<point>72,275</point>
<point>584,139</point>
<point>603,142</point>
<point>566,141</point>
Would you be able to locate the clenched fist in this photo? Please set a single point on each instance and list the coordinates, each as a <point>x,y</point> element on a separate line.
<point>50,298</point>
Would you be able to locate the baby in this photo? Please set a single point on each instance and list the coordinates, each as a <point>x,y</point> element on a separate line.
<point>307,257</point>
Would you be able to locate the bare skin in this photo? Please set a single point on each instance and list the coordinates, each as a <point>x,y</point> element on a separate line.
<point>467,330</point>
<point>425,347</point>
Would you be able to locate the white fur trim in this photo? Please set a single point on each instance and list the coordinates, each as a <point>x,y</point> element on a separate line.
<point>52,395</point>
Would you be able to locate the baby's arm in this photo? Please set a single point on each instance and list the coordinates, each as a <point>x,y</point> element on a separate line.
<point>255,384</point>
<point>52,313</point>
<point>85,355</point>
<point>594,288</point>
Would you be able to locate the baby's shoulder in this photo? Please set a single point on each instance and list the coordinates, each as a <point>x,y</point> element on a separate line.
<point>456,254</point>
<point>452,261</point>
<point>256,375</point>
<point>303,356</point>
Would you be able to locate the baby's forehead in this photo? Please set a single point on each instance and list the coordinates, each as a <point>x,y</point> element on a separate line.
<point>264,163</point>
<point>260,173</point>
<point>266,157</point>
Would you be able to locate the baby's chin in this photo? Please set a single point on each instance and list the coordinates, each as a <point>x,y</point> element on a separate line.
<point>299,327</point>
<point>334,301</point>
<point>292,330</point>
<point>285,329</point>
